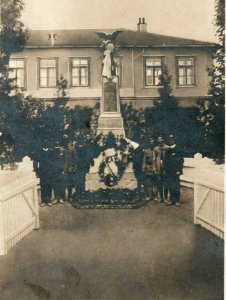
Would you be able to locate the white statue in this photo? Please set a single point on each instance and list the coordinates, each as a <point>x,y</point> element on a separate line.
<point>109,66</point>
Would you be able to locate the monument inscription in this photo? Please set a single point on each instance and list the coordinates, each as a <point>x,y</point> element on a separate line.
<point>110,97</point>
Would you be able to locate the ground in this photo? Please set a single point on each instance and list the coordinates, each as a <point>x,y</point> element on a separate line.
<point>154,252</point>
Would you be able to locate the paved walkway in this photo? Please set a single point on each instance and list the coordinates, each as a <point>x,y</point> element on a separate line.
<point>154,252</point>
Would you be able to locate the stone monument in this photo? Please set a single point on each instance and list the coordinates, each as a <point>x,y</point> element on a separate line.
<point>110,121</point>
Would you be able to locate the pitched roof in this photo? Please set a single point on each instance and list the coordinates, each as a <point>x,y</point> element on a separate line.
<point>88,38</point>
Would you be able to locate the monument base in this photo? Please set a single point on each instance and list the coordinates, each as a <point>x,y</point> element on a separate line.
<point>110,122</point>
<point>94,183</point>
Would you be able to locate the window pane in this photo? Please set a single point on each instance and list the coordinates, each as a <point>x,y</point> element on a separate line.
<point>12,64</point>
<point>12,74</point>
<point>43,63</point>
<point>75,72</point>
<point>75,81</point>
<point>52,81</point>
<point>83,72</point>
<point>149,80</point>
<point>181,62</point>
<point>189,80</point>
<point>189,62</point>
<point>84,81</point>
<point>189,71</point>
<point>181,71</point>
<point>43,82</point>
<point>20,82</point>
<point>43,73</point>
<point>52,72</point>
<point>84,62</point>
<point>158,72</point>
<point>157,62</point>
<point>149,72</point>
<point>20,73</point>
<point>75,62</point>
<point>182,81</point>
<point>149,62</point>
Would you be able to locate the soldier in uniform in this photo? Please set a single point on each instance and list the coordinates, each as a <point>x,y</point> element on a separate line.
<point>70,168</point>
<point>58,172</point>
<point>149,169</point>
<point>43,168</point>
<point>173,170</point>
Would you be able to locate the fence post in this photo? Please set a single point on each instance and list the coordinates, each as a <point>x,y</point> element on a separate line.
<point>35,199</point>
<point>197,159</point>
<point>3,249</point>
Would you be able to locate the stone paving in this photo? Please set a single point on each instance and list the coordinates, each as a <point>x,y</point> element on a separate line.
<point>154,252</point>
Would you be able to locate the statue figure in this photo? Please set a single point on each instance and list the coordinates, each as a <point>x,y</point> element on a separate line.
<point>109,66</point>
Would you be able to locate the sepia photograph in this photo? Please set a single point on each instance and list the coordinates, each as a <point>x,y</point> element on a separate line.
<point>112,149</point>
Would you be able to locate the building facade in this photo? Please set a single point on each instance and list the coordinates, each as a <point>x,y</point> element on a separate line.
<point>140,56</point>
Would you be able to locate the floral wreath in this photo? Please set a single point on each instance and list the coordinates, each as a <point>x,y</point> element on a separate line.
<point>111,159</point>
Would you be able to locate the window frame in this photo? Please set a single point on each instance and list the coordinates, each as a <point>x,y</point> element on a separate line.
<point>24,59</point>
<point>193,66</point>
<point>145,58</point>
<point>56,59</point>
<point>79,67</point>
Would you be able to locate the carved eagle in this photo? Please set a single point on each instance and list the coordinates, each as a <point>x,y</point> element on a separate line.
<point>109,36</point>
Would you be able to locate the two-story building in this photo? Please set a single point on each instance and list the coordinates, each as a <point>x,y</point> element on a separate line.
<point>76,54</point>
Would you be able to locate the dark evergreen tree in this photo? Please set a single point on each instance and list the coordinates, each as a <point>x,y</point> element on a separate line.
<point>162,118</point>
<point>212,114</point>
<point>12,39</point>
<point>167,117</point>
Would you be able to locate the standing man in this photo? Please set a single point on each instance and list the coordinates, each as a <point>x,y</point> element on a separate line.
<point>43,168</point>
<point>70,168</point>
<point>160,152</point>
<point>58,172</point>
<point>149,169</point>
<point>173,168</point>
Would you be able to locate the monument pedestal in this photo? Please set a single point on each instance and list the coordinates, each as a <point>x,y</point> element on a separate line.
<point>110,119</point>
<point>110,122</point>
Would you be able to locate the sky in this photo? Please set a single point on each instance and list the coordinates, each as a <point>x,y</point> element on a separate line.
<point>182,18</point>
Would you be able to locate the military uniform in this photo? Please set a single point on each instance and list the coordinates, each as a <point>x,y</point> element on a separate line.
<point>173,169</point>
<point>149,169</point>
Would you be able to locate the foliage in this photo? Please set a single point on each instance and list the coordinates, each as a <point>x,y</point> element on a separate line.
<point>13,34</point>
<point>212,109</point>
<point>108,198</point>
<point>167,118</point>
<point>165,107</point>
<point>12,39</point>
<point>134,122</point>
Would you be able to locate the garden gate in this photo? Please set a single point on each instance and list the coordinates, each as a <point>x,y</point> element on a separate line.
<point>209,199</point>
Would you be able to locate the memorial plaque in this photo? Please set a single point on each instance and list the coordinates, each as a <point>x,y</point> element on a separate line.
<point>110,97</point>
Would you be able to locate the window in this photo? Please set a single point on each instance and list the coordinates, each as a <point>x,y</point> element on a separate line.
<point>118,64</point>
<point>153,70</point>
<point>186,74</point>
<point>47,72</point>
<point>80,72</point>
<point>17,71</point>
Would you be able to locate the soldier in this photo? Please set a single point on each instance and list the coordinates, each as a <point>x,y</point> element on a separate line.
<point>58,172</point>
<point>43,168</point>
<point>160,151</point>
<point>149,169</point>
<point>70,168</point>
<point>173,169</point>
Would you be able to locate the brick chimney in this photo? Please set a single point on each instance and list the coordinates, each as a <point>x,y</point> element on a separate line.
<point>141,25</point>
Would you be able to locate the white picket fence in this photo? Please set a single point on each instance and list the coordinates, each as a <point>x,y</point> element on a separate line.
<point>209,199</point>
<point>18,205</point>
